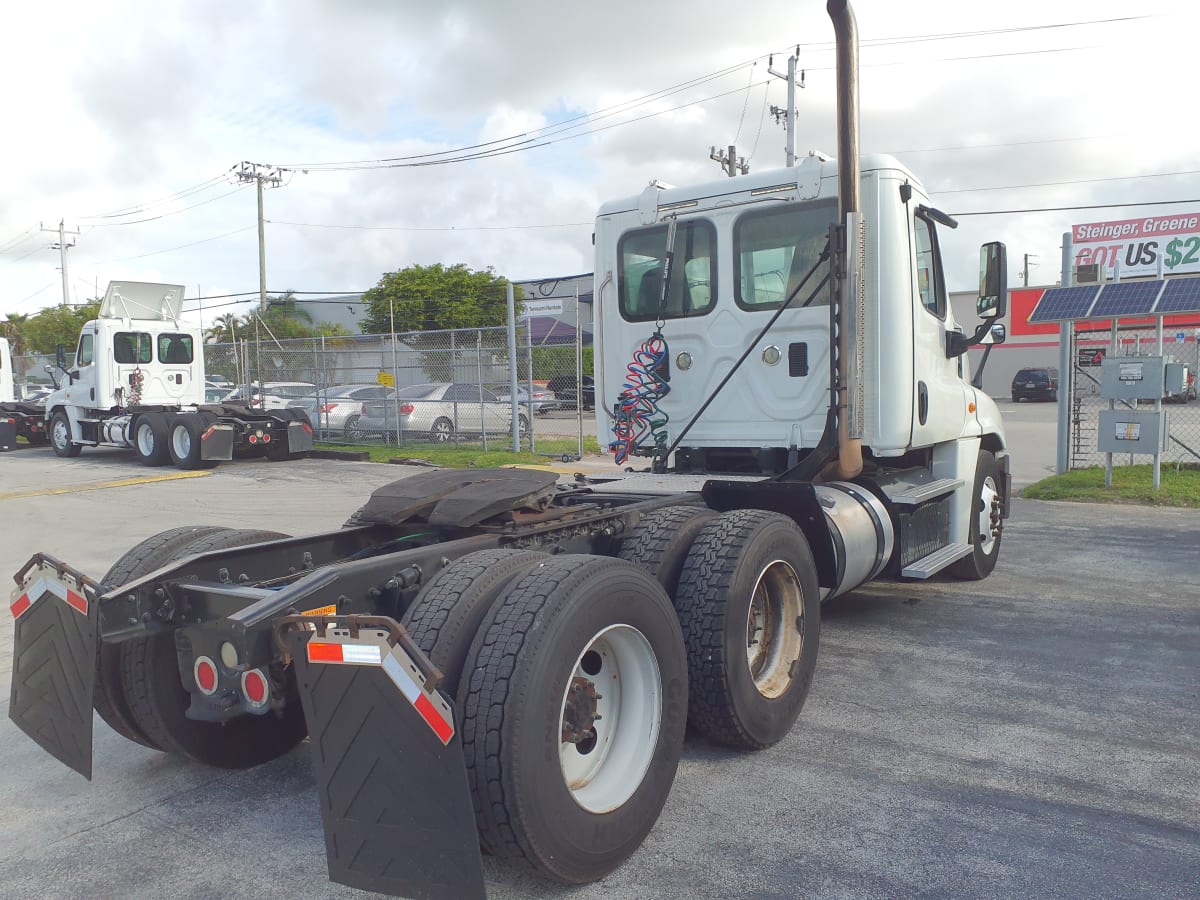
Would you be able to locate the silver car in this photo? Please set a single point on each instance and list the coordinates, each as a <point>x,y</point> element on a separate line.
<point>335,411</point>
<point>440,411</point>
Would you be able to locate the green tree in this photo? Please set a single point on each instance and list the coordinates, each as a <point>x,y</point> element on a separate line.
<point>432,298</point>
<point>57,325</point>
<point>13,329</point>
<point>224,329</point>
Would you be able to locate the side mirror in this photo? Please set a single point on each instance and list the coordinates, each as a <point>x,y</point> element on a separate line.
<point>993,281</point>
<point>998,334</point>
<point>60,356</point>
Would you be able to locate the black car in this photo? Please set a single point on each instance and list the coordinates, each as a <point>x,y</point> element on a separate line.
<point>1035,384</point>
<point>566,391</point>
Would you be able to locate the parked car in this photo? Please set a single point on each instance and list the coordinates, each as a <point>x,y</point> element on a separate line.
<point>335,411</point>
<point>542,399</point>
<point>273,394</point>
<point>439,412</point>
<point>214,392</point>
<point>566,391</point>
<point>1035,384</point>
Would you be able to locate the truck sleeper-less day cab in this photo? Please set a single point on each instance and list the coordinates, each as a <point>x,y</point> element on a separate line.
<point>490,656</point>
<point>138,381</point>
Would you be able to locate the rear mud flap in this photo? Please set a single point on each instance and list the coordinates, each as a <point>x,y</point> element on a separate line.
<point>299,437</point>
<point>54,659</point>
<point>217,442</point>
<point>388,761</point>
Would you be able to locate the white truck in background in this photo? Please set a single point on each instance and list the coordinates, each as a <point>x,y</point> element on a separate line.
<point>138,381</point>
<point>18,418</point>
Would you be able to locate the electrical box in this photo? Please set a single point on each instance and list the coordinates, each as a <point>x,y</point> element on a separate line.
<point>1175,379</point>
<point>1131,378</point>
<point>1132,431</point>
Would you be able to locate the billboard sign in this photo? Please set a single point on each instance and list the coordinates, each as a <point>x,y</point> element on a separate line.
<point>1137,245</point>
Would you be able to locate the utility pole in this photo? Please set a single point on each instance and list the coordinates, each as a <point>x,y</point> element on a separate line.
<point>788,115</point>
<point>731,164</point>
<point>62,247</point>
<point>1025,270</point>
<point>273,177</point>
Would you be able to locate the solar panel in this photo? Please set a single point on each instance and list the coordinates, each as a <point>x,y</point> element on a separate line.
<point>1062,304</point>
<point>1181,296</point>
<point>1127,298</point>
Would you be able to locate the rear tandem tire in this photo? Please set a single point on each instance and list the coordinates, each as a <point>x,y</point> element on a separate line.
<point>445,616</point>
<point>571,624</point>
<point>185,434</point>
<point>150,439</point>
<point>158,700</point>
<point>750,608</point>
<point>141,559</point>
<point>660,541</point>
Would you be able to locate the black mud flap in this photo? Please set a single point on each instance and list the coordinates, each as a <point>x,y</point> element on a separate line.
<point>388,760</point>
<point>56,623</point>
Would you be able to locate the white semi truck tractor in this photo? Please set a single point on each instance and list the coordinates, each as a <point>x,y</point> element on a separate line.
<point>491,657</point>
<point>138,381</point>
<point>18,418</point>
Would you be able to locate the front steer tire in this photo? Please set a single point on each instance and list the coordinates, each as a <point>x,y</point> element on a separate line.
<point>985,548</point>
<point>60,437</point>
<point>513,701</point>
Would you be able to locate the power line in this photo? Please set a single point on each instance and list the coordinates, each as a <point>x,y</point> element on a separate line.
<point>430,228</point>
<point>215,237</point>
<point>138,208</point>
<point>171,213</point>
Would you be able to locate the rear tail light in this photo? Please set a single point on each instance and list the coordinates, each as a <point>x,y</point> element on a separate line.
<point>363,411</point>
<point>256,690</point>
<point>254,439</point>
<point>307,427</point>
<point>406,409</point>
<point>328,407</point>
<point>205,673</point>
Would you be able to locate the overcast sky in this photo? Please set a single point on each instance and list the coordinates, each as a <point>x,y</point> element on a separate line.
<point>123,111</point>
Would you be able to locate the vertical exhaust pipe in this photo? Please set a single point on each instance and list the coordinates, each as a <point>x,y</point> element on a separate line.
<point>850,287</point>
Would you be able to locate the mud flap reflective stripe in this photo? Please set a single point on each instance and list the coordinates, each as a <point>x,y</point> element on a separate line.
<point>389,767</point>
<point>56,631</point>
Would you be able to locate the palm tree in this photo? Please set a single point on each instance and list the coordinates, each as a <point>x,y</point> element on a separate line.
<point>223,330</point>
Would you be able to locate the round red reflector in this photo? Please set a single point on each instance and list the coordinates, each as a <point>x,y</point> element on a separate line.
<point>266,439</point>
<point>253,439</point>
<point>206,675</point>
<point>254,686</point>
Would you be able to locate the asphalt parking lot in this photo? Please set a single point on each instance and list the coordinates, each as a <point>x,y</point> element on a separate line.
<point>1037,733</point>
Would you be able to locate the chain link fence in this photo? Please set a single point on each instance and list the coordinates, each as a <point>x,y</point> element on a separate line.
<point>421,387</point>
<point>1182,411</point>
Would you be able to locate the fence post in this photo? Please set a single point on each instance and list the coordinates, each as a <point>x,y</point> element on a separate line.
<point>483,427</point>
<point>529,385</point>
<point>579,373</point>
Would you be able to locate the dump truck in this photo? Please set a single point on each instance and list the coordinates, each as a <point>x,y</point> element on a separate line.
<point>495,659</point>
<point>138,381</point>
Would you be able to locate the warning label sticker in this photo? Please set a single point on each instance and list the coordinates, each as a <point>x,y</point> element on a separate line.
<point>330,610</point>
<point>1126,431</point>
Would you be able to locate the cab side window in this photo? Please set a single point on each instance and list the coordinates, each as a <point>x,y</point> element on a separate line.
<point>84,355</point>
<point>930,281</point>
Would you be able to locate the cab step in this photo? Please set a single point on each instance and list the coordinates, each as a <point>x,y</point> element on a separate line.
<point>930,490</point>
<point>930,565</point>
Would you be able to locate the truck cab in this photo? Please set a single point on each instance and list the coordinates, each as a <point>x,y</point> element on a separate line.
<point>136,352</point>
<point>741,247</point>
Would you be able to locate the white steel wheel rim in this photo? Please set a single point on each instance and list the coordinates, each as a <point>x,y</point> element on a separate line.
<point>145,438</point>
<point>987,532</point>
<point>774,628</point>
<point>59,434</point>
<point>620,665</point>
<point>441,430</point>
<point>181,441</point>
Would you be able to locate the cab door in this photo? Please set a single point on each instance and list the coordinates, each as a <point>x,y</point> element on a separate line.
<point>939,393</point>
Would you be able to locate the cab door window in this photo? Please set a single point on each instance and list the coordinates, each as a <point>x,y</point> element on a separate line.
<point>84,356</point>
<point>930,282</point>
<point>691,290</point>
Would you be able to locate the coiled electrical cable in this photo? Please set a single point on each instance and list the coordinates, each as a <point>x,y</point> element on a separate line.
<point>638,414</point>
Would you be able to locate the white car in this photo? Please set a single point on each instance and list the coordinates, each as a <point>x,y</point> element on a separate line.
<point>274,394</point>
